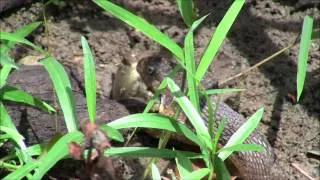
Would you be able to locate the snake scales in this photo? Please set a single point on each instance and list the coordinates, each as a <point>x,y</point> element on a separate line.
<point>128,83</point>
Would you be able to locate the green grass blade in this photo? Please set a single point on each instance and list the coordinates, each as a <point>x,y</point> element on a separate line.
<point>243,147</point>
<point>155,172</point>
<point>14,94</point>
<point>112,133</point>
<point>7,60</point>
<point>14,135</point>
<point>184,165</point>
<point>142,25</point>
<point>315,34</point>
<point>221,170</point>
<point>20,32</point>
<point>199,173</point>
<point>15,38</point>
<point>222,91</point>
<point>63,89</point>
<point>218,134</point>
<point>147,152</point>
<point>4,73</point>
<point>7,64</point>
<point>58,151</point>
<point>242,133</point>
<point>89,79</point>
<point>218,37</point>
<point>191,64</point>
<point>303,53</point>
<point>190,111</point>
<point>5,119</point>
<point>160,89</point>
<point>186,11</point>
<point>157,121</point>
<point>18,139</point>
<point>22,171</point>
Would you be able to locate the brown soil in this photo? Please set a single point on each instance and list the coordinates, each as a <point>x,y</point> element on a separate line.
<point>262,28</point>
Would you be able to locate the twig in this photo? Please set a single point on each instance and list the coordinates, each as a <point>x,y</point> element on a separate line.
<point>302,171</point>
<point>260,63</point>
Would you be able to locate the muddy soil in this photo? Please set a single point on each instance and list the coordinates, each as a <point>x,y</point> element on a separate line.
<point>262,28</point>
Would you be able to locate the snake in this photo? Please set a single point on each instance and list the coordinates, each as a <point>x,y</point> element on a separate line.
<point>248,165</point>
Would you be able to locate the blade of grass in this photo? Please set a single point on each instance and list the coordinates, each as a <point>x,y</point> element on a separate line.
<point>199,173</point>
<point>56,153</point>
<point>5,119</point>
<point>63,89</point>
<point>112,133</point>
<point>7,60</point>
<point>221,170</point>
<point>18,139</point>
<point>242,133</point>
<point>147,152</point>
<point>155,172</point>
<point>14,94</point>
<point>157,121</point>
<point>190,111</point>
<point>218,37</point>
<point>303,53</point>
<point>190,64</point>
<point>243,147</point>
<point>22,171</point>
<point>20,32</point>
<point>142,25</point>
<point>315,34</point>
<point>222,91</point>
<point>89,79</point>
<point>186,11</point>
<point>19,39</point>
<point>4,73</point>
<point>184,165</point>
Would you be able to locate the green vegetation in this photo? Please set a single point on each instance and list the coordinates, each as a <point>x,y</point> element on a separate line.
<point>34,161</point>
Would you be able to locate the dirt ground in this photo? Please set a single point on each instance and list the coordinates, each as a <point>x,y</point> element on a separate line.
<point>262,28</point>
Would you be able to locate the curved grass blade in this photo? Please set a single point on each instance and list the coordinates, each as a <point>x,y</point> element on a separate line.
<point>58,151</point>
<point>112,133</point>
<point>217,38</point>
<point>147,152</point>
<point>63,89</point>
<point>199,173</point>
<point>14,94</point>
<point>186,11</point>
<point>191,64</point>
<point>4,73</point>
<point>221,170</point>
<point>303,53</point>
<point>155,172</point>
<point>142,25</point>
<point>243,147</point>
<point>315,34</point>
<point>89,79</point>
<point>20,32</point>
<point>22,171</point>
<point>7,60</point>
<point>184,165</point>
<point>222,91</point>
<point>148,120</point>
<point>15,38</point>
<point>190,111</point>
<point>242,133</point>
<point>18,139</point>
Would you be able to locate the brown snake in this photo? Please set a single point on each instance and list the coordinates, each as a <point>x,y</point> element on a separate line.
<point>249,165</point>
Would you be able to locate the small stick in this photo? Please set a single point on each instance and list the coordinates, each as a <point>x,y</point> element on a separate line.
<point>302,171</point>
<point>259,63</point>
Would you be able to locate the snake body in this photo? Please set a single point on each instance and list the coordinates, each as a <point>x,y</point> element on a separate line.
<point>249,165</point>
